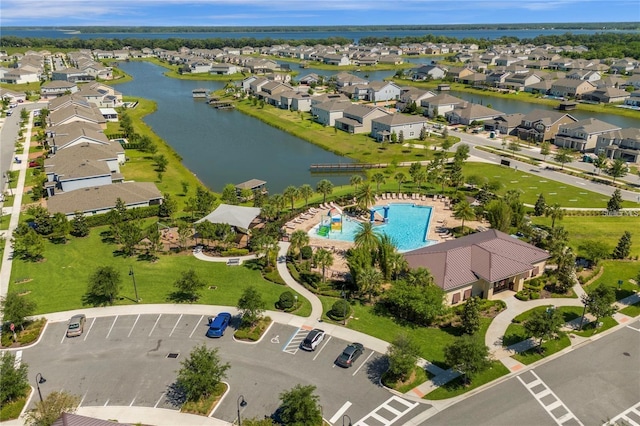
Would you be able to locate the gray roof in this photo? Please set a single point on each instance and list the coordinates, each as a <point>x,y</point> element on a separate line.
<point>68,419</point>
<point>472,111</point>
<point>398,119</point>
<point>545,116</point>
<point>238,216</point>
<point>82,160</point>
<point>103,197</point>
<point>590,126</point>
<point>491,255</point>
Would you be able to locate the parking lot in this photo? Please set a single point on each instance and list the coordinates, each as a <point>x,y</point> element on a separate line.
<point>132,360</point>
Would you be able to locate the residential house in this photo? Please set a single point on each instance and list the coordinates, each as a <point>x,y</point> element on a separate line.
<point>633,101</point>
<point>468,113</point>
<point>542,125</point>
<point>505,124</point>
<point>326,113</point>
<point>409,125</point>
<point>458,73</point>
<point>382,91</point>
<point>295,101</point>
<point>481,264</point>
<point>357,118</point>
<point>411,94</point>
<point>428,72</point>
<point>270,92</point>
<point>440,104</point>
<point>326,97</point>
<point>624,66</point>
<point>608,95</point>
<point>582,135</point>
<point>497,78</point>
<point>76,113</point>
<point>12,96</point>
<point>586,75</point>
<point>520,81</point>
<point>345,79</point>
<point>336,59</point>
<point>55,88</point>
<point>102,199</point>
<point>475,79</point>
<point>623,144</point>
<point>542,87</point>
<point>310,79</point>
<point>20,76</point>
<point>73,75</point>
<point>571,88</point>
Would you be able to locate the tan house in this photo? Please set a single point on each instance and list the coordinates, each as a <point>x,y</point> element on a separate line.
<point>571,88</point>
<point>481,264</point>
<point>541,125</point>
<point>582,135</point>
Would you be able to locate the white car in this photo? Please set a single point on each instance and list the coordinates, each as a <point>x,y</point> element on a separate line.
<point>313,339</point>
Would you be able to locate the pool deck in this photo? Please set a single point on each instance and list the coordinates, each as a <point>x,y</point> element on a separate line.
<point>441,220</point>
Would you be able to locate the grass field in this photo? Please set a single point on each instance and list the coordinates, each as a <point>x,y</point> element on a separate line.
<point>59,282</point>
<point>456,387</point>
<point>531,186</point>
<point>614,271</point>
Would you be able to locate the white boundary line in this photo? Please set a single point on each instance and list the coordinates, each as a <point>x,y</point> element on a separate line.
<point>89,331</point>
<point>197,325</point>
<point>134,325</point>
<point>320,350</point>
<point>174,327</point>
<point>363,363</point>
<point>154,325</point>
<point>111,328</point>
<point>340,412</point>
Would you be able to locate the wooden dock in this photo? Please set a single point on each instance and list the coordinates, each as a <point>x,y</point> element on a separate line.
<point>344,167</point>
<point>221,104</point>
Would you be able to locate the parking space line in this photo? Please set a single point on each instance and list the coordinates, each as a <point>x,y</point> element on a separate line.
<point>197,325</point>
<point>633,328</point>
<point>624,417</point>
<point>83,397</point>
<point>105,404</point>
<point>18,360</point>
<point>133,400</point>
<point>320,350</point>
<point>174,327</point>
<point>154,325</point>
<point>340,412</point>
<point>90,327</point>
<point>111,328</point>
<point>134,325</point>
<point>159,399</point>
<point>293,345</point>
<point>64,335</point>
<point>551,405</point>
<point>365,361</point>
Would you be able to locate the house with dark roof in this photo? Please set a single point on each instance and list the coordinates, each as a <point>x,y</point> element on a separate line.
<point>608,95</point>
<point>55,88</point>
<point>410,125</point>
<point>542,125</point>
<point>623,143</point>
<point>582,135</point>
<point>505,124</point>
<point>481,264</point>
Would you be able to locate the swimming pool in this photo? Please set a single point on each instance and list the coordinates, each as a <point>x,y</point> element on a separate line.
<point>408,226</point>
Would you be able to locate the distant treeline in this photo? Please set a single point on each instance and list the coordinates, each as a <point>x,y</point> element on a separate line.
<point>345,28</point>
<point>600,45</point>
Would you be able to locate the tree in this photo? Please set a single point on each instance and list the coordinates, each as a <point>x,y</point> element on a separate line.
<point>27,244</point>
<point>615,202</point>
<point>168,207</point>
<point>103,287</point>
<point>616,169</point>
<point>467,355</point>
<point>60,227</point>
<point>229,194</point>
<point>16,308</point>
<point>600,162</point>
<point>464,211</point>
<point>555,212</point>
<point>514,147</point>
<point>130,236</point>
<point>51,408</point>
<point>354,181</point>
<point>378,178</point>
<point>14,383</point>
<point>299,239</point>
<point>251,305</point>
<point>201,373</point>
<point>185,187</point>
<point>267,245</point>
<point>544,324</point>
<point>471,316</point>
<point>79,226</point>
<point>291,193</point>
<point>324,259</point>
<point>300,407</point>
<point>160,162</point>
<point>366,237</point>
<point>623,249</point>
<point>595,250</point>
<point>462,152</point>
<point>400,178</point>
<point>365,196</point>
<point>499,215</point>
<point>540,206</point>
<point>564,156</point>
<point>369,281</point>
<point>419,305</point>
<point>423,132</point>
<point>402,355</point>
<point>184,232</point>
<point>401,137</point>
<point>188,287</point>
<point>600,301</point>
<point>545,149</point>
<point>566,271</point>
<point>324,187</point>
<point>305,191</point>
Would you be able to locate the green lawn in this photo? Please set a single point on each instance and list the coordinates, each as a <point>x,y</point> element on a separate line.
<point>58,282</point>
<point>631,310</point>
<point>516,333</point>
<point>530,186</point>
<point>456,387</point>
<point>549,347</point>
<point>615,270</point>
<point>590,329</point>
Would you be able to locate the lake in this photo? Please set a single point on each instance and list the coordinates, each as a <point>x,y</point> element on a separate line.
<point>223,147</point>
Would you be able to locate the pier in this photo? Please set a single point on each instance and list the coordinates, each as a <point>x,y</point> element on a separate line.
<point>344,167</point>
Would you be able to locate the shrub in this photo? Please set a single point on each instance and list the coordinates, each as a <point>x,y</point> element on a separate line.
<point>286,300</point>
<point>235,252</point>
<point>534,295</point>
<point>312,279</point>
<point>339,310</point>
<point>522,295</point>
<point>306,252</point>
<point>136,213</point>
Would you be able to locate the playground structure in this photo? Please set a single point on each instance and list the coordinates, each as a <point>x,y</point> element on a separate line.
<point>384,216</point>
<point>332,222</point>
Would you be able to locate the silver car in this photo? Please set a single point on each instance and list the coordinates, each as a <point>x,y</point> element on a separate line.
<point>76,325</point>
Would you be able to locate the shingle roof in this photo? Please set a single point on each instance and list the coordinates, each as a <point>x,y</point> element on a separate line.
<point>68,419</point>
<point>491,255</point>
<point>399,119</point>
<point>590,125</point>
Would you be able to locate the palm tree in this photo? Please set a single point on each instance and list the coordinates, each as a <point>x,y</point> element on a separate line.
<point>420,277</point>
<point>324,259</point>
<point>266,244</point>
<point>386,251</point>
<point>278,202</point>
<point>399,264</point>
<point>369,281</point>
<point>291,193</point>
<point>464,211</point>
<point>366,237</point>
<point>298,240</point>
<point>420,177</point>
<point>305,191</point>
<point>355,181</point>
<point>555,212</point>
<point>365,196</point>
<point>268,211</point>
<point>324,187</point>
<point>378,178</point>
<point>400,178</point>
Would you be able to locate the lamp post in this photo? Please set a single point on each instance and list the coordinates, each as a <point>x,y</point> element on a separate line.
<point>585,301</point>
<point>349,424</point>
<point>39,380</point>
<point>241,403</point>
<point>135,288</point>
<point>344,294</point>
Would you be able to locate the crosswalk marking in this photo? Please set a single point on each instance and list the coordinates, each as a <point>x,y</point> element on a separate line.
<point>623,418</point>
<point>293,345</point>
<point>550,406</point>
<point>340,412</point>
<point>377,415</point>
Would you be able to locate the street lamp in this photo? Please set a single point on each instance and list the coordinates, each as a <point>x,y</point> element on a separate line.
<point>344,294</point>
<point>135,288</point>
<point>585,301</point>
<point>39,381</point>
<point>241,403</point>
<point>349,424</point>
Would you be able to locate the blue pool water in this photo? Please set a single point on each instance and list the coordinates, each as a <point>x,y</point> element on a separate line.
<point>408,225</point>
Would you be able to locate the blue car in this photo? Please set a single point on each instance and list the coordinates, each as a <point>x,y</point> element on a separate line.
<point>219,324</point>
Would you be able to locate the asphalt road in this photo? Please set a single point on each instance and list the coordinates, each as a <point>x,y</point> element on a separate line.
<point>9,134</point>
<point>593,384</point>
<point>123,361</point>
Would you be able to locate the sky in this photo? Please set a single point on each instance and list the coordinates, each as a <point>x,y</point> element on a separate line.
<point>309,13</point>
